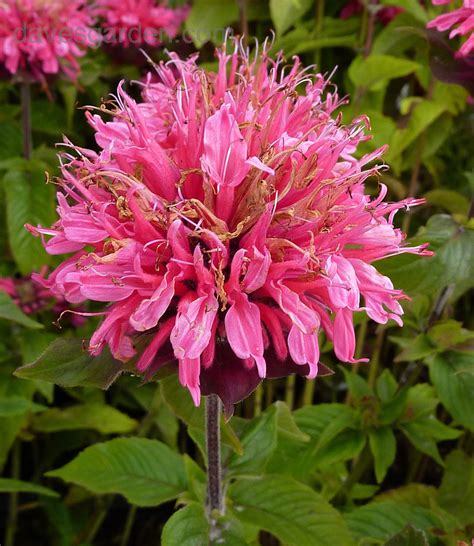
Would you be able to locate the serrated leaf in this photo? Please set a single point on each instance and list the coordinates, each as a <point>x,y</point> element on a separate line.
<point>259,441</point>
<point>383,447</point>
<point>423,443</point>
<point>456,494</point>
<point>105,419</point>
<point>10,311</point>
<point>66,363</point>
<point>409,536</point>
<point>146,472</point>
<point>186,527</point>
<point>189,527</point>
<point>386,386</point>
<point>287,427</point>
<point>285,13</point>
<point>8,485</point>
<point>381,520</point>
<point>289,510</point>
<point>453,377</point>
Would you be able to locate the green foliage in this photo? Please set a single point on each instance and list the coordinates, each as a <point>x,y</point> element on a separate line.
<point>379,454</point>
<point>144,471</point>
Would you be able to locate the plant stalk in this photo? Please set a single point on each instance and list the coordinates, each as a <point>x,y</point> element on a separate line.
<point>214,479</point>
<point>25,94</point>
<point>13,503</point>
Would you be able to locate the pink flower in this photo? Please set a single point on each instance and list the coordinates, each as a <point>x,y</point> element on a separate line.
<point>139,22</point>
<point>461,23</point>
<point>385,14</point>
<point>225,216</point>
<point>39,38</point>
<point>32,296</point>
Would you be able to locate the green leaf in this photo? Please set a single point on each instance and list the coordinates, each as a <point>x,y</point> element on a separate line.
<point>285,13</point>
<point>452,374</point>
<point>208,20</point>
<point>186,527</point>
<point>189,527</point>
<point>452,201</point>
<point>357,385</point>
<point>259,441</point>
<point>8,485</point>
<point>28,200</point>
<point>291,511</point>
<point>48,117</point>
<point>456,494</point>
<point>423,114</point>
<point>381,520</point>
<point>409,536</point>
<point>415,349</point>
<point>16,405</point>
<point>383,446</point>
<point>11,142</point>
<point>287,427</point>
<point>386,386</point>
<point>374,71</point>
<point>105,419</point>
<point>9,311</point>
<point>449,333</point>
<point>146,472</point>
<point>66,363</point>
<point>421,441</point>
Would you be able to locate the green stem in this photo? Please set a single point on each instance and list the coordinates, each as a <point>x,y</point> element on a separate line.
<point>269,387</point>
<point>13,502</point>
<point>359,468</point>
<point>97,524</point>
<point>25,94</point>
<point>214,478</point>
<point>318,29</point>
<point>290,391</point>
<point>375,360</point>
<point>244,23</point>
<point>127,531</point>
<point>308,392</point>
<point>258,400</point>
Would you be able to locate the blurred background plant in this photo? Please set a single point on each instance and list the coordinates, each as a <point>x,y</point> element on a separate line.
<point>374,454</point>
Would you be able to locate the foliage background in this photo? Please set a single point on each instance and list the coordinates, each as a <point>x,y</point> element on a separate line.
<point>375,454</point>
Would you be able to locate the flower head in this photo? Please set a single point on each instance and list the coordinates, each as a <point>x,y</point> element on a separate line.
<point>139,22</point>
<point>225,217</point>
<point>40,38</point>
<point>461,23</point>
<point>32,296</point>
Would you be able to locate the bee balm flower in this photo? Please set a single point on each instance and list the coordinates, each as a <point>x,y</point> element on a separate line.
<point>39,38</point>
<point>225,217</point>
<point>461,21</point>
<point>139,22</point>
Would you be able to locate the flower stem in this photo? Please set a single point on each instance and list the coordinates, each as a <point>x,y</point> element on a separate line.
<point>13,504</point>
<point>290,391</point>
<point>25,93</point>
<point>214,488</point>
<point>128,526</point>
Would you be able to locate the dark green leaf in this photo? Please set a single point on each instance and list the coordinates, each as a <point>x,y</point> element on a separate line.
<point>66,363</point>
<point>9,311</point>
<point>409,536</point>
<point>146,472</point>
<point>293,512</point>
<point>17,486</point>
<point>383,446</point>
<point>456,494</point>
<point>100,417</point>
<point>259,440</point>
<point>452,374</point>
